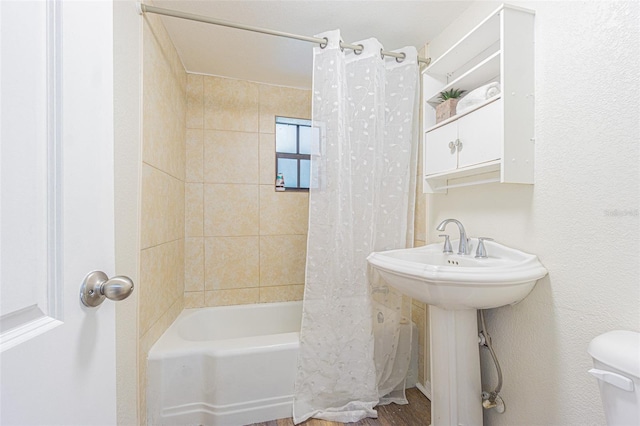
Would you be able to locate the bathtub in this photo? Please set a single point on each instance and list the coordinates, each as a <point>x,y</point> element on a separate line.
<point>230,365</point>
<point>227,366</point>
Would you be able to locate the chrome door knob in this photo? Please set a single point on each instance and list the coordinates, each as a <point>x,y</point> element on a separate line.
<point>97,286</point>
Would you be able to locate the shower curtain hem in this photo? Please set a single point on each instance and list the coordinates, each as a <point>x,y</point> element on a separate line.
<point>339,415</point>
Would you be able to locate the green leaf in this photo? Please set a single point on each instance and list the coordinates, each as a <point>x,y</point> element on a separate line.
<point>451,94</point>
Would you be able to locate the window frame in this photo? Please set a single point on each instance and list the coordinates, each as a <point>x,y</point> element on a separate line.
<point>291,156</point>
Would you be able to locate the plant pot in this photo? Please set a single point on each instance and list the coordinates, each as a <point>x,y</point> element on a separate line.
<point>446,109</point>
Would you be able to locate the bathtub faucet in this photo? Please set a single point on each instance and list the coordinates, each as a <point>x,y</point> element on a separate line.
<point>463,248</point>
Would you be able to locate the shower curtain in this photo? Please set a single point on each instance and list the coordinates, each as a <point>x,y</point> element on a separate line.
<point>361,200</point>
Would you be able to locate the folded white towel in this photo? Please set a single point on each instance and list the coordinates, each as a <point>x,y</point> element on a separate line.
<point>492,90</point>
<point>477,96</point>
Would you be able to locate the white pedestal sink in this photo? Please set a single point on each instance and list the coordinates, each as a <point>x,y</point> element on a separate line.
<point>456,286</point>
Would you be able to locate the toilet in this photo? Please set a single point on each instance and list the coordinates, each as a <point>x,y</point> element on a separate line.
<point>616,360</point>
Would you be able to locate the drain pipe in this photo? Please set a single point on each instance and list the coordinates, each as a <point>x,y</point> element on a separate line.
<point>490,399</point>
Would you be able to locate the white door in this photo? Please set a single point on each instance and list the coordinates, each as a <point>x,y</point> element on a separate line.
<point>439,152</point>
<point>58,357</point>
<point>480,133</point>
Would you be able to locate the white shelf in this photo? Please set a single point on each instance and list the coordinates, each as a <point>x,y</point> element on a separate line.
<point>481,74</point>
<point>477,40</point>
<point>469,111</point>
<point>478,174</point>
<point>489,166</point>
<point>492,143</point>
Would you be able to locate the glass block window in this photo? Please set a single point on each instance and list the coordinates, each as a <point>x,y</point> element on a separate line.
<point>293,152</point>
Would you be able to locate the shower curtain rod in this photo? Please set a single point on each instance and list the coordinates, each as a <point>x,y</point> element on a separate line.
<point>143,8</point>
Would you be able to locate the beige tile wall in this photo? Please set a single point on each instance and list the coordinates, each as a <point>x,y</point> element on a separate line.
<point>162,222</point>
<point>244,243</point>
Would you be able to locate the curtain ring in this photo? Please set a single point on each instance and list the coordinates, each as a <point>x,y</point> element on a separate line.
<point>381,54</point>
<point>325,44</point>
<point>359,51</point>
<point>404,56</point>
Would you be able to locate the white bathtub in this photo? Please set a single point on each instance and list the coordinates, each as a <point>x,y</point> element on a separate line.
<point>228,366</point>
<point>231,365</point>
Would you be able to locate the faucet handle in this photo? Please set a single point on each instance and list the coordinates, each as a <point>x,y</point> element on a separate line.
<point>481,251</point>
<point>447,244</point>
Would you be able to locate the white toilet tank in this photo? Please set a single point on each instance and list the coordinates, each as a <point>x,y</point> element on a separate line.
<point>616,358</point>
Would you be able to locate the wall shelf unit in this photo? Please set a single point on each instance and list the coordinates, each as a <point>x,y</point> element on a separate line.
<point>493,141</point>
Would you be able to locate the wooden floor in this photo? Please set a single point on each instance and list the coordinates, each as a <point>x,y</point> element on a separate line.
<point>416,413</point>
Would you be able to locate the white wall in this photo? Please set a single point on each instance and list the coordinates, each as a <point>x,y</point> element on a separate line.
<point>581,217</point>
<point>127,97</point>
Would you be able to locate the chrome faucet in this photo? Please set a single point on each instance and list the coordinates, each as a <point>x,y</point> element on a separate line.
<point>463,248</point>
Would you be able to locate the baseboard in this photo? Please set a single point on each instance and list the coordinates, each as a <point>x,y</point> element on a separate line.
<point>425,389</point>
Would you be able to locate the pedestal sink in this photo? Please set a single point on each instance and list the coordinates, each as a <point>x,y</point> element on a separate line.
<point>456,286</point>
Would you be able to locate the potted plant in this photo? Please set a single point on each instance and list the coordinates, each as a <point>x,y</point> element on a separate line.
<point>447,108</point>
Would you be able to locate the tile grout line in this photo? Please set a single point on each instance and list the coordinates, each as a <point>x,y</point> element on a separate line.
<point>259,215</point>
<point>203,284</point>
<point>162,171</point>
<point>260,292</point>
<point>162,243</point>
<point>258,132</point>
<point>153,324</point>
<point>204,245</point>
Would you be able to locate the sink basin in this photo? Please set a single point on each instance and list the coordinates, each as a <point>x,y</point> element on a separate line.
<point>456,286</point>
<point>455,282</point>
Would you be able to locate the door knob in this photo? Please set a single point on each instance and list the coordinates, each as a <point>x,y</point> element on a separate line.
<point>97,286</point>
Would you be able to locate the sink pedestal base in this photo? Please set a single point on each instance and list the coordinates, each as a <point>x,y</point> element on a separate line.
<point>455,368</point>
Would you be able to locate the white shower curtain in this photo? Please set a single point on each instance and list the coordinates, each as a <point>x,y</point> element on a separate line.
<point>361,200</point>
